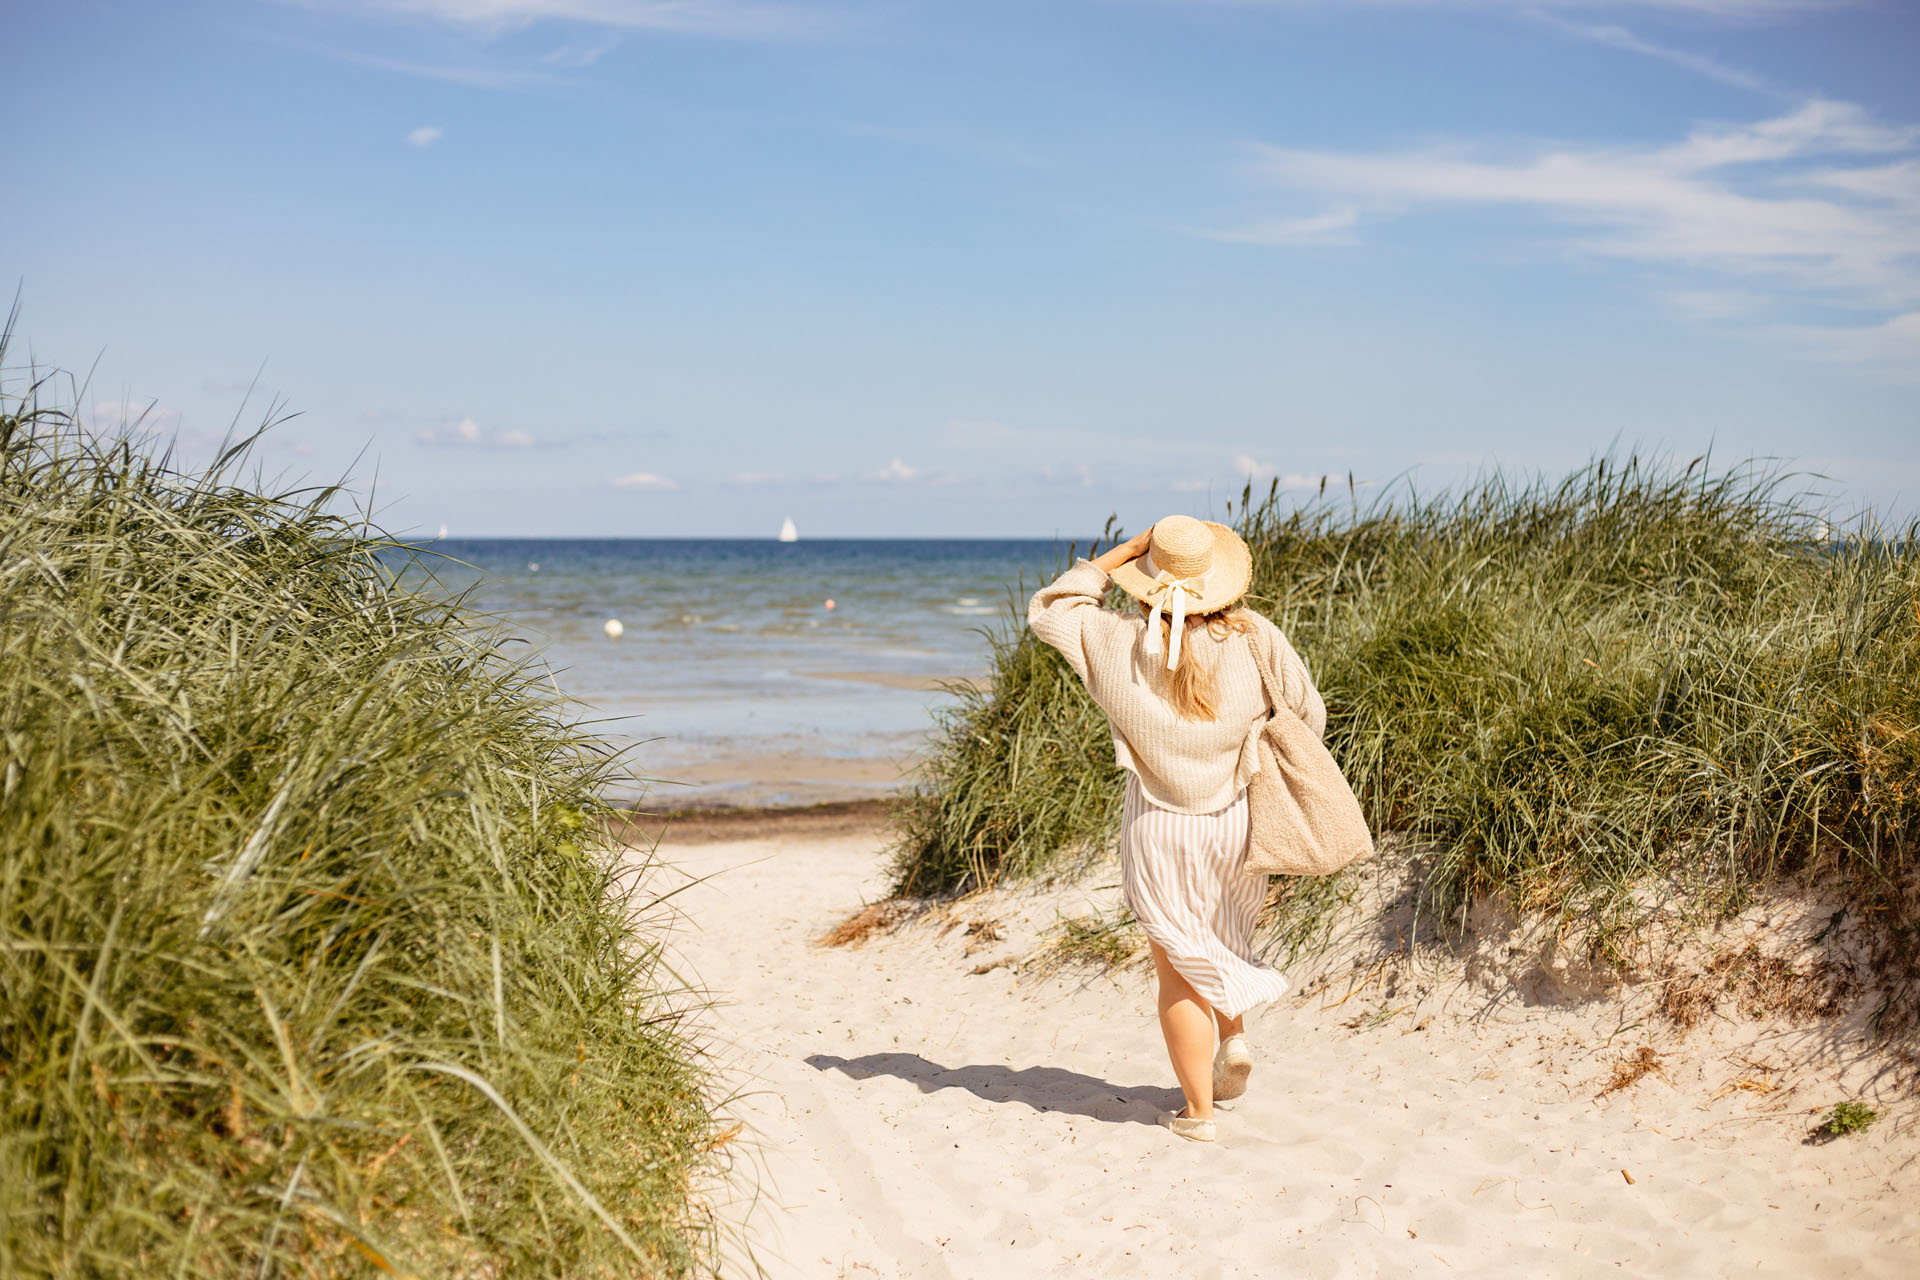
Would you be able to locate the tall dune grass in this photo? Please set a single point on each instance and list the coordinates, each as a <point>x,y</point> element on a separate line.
<point>1633,685</point>
<point>311,963</point>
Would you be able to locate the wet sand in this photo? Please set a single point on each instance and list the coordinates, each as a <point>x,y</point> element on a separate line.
<point>776,781</point>
<point>896,680</point>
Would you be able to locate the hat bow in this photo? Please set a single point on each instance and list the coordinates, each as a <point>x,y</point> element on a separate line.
<point>1175,594</point>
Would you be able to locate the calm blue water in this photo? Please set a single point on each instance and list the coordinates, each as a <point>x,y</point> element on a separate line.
<point>728,648</point>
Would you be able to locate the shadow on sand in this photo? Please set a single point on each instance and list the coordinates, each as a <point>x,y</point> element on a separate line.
<point>1042,1088</point>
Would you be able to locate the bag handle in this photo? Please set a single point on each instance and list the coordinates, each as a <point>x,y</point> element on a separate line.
<point>1274,701</point>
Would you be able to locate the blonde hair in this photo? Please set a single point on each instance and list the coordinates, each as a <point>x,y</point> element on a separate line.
<point>1190,687</point>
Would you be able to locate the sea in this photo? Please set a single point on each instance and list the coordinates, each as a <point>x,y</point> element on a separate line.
<point>755,671</point>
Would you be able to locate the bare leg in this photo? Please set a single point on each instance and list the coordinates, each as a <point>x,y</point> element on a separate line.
<point>1230,1026</point>
<point>1186,1020</point>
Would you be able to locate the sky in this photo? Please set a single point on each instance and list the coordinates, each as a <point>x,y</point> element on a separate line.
<point>905,268</point>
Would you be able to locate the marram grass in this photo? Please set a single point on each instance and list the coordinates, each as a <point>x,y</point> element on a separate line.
<point>1630,687</point>
<point>311,962</point>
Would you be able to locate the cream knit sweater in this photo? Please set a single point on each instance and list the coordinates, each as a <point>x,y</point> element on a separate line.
<point>1188,766</point>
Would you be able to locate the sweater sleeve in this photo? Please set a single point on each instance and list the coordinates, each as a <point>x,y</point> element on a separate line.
<point>1061,612</point>
<point>1296,684</point>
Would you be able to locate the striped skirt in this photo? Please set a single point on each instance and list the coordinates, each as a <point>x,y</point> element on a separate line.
<point>1186,883</point>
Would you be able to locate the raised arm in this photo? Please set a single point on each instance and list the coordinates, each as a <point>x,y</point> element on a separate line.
<point>1061,611</point>
<point>1121,552</point>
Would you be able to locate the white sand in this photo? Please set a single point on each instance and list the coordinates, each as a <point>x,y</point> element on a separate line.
<point>906,1117</point>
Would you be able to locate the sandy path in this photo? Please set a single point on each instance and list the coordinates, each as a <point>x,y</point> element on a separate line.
<point>915,1119</point>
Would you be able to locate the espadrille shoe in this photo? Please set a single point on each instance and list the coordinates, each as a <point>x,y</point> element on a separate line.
<point>1187,1127</point>
<point>1232,1064</point>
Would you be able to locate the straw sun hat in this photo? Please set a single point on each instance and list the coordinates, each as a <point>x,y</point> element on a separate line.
<point>1190,566</point>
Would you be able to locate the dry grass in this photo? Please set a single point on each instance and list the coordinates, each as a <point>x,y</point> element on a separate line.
<point>1755,985</point>
<point>1099,942</point>
<point>868,921</point>
<point>983,933</point>
<point>1631,1070</point>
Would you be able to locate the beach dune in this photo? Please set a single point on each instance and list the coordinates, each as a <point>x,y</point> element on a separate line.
<point>914,1106</point>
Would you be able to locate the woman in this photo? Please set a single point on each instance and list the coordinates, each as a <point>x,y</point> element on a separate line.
<point>1179,682</point>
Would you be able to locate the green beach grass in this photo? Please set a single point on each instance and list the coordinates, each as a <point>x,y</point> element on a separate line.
<point>1632,691</point>
<point>313,961</point>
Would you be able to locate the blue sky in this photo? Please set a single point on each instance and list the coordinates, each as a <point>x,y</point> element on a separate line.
<point>895,267</point>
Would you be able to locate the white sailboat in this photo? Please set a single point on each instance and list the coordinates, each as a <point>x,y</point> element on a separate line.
<point>787,532</point>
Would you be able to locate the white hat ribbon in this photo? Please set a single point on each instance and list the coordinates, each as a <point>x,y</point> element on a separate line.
<point>1174,593</point>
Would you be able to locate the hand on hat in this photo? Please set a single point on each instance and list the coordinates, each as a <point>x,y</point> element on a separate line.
<point>1132,549</point>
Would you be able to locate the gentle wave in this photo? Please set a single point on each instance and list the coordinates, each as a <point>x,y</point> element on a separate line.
<point>727,648</point>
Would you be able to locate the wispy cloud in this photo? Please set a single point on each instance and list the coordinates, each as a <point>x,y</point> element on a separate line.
<point>475,57</point>
<point>1619,37</point>
<point>582,53</point>
<point>1332,227</point>
<point>645,481</point>
<point>1821,203</point>
<point>1891,347</point>
<point>1711,305</point>
<point>150,421</point>
<point>1069,473</point>
<point>465,433</point>
<point>474,76</point>
<point>1248,468</point>
<point>426,135</point>
<point>697,17</point>
<point>1321,480</point>
<point>215,386</point>
<point>1140,463</point>
<point>1736,9</point>
<point>899,472</point>
<point>133,415</point>
<point>756,479</point>
<point>895,472</point>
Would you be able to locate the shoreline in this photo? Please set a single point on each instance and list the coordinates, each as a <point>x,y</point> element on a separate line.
<point>719,822</point>
<point>772,781</point>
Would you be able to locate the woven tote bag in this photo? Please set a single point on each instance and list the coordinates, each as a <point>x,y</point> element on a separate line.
<point>1302,817</point>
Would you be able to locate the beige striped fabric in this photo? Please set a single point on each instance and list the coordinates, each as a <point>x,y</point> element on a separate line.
<point>1185,882</point>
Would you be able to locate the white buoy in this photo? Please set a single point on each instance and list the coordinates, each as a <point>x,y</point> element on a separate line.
<point>533,566</point>
<point>787,532</point>
<point>614,628</point>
